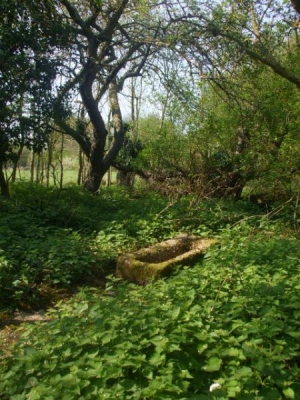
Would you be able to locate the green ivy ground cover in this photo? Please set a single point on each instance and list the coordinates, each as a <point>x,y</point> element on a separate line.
<point>232,319</point>
<point>55,239</point>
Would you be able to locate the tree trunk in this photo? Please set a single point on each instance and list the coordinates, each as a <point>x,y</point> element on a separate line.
<point>32,167</point>
<point>103,59</point>
<point>16,163</point>
<point>100,162</point>
<point>108,180</point>
<point>125,179</point>
<point>38,169</point>
<point>237,180</point>
<point>60,159</point>
<point>80,169</point>
<point>97,168</point>
<point>49,161</point>
<point>3,183</point>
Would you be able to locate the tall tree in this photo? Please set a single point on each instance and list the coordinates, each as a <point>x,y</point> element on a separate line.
<point>27,72</point>
<point>110,44</point>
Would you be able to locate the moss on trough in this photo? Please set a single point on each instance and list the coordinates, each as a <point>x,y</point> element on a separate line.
<point>154,262</point>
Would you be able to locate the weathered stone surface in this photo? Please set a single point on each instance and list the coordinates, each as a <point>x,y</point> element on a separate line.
<point>158,260</point>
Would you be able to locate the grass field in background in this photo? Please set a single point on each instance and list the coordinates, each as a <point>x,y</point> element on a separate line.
<point>69,176</point>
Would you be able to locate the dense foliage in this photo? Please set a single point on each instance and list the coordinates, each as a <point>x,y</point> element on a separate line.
<point>238,142</point>
<point>79,55</point>
<point>224,85</point>
<point>52,237</point>
<point>29,34</point>
<point>231,319</point>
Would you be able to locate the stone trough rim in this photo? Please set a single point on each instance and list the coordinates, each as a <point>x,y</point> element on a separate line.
<point>129,263</point>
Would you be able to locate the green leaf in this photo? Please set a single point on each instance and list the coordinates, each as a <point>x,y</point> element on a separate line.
<point>202,347</point>
<point>34,395</point>
<point>289,393</point>
<point>244,371</point>
<point>185,374</point>
<point>213,364</point>
<point>157,359</point>
<point>175,313</point>
<point>294,334</point>
<point>231,352</point>
<point>270,394</point>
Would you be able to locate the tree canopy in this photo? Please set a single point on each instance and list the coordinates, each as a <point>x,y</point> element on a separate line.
<point>66,63</point>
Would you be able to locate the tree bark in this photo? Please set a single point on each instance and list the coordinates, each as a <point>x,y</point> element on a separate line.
<point>3,182</point>
<point>125,179</point>
<point>100,161</point>
<point>119,131</point>
<point>60,159</point>
<point>49,161</point>
<point>16,163</point>
<point>80,169</point>
<point>32,167</point>
<point>97,148</point>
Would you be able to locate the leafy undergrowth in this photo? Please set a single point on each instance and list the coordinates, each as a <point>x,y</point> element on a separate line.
<point>52,240</point>
<point>232,320</point>
<point>57,239</point>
